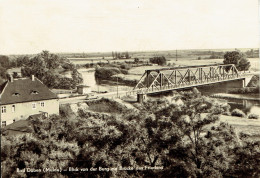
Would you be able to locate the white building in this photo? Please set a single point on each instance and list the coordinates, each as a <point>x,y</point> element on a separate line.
<point>20,98</point>
<point>83,89</point>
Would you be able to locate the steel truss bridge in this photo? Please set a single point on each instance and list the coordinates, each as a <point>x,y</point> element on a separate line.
<point>166,79</point>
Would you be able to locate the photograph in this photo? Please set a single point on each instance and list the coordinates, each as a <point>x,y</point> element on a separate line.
<point>130,88</point>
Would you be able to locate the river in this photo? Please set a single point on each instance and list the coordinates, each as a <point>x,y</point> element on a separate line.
<point>100,86</point>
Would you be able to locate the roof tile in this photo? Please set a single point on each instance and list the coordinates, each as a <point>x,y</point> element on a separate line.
<point>25,90</point>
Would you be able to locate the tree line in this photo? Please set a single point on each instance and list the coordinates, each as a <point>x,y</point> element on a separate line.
<point>46,67</point>
<point>120,55</point>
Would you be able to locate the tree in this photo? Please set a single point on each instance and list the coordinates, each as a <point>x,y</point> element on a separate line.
<point>127,56</point>
<point>118,55</point>
<point>52,61</point>
<point>3,74</point>
<point>15,75</point>
<point>137,60</point>
<point>246,161</point>
<point>76,76</point>
<point>238,58</point>
<point>175,136</point>
<point>4,61</point>
<point>113,55</point>
<point>22,61</point>
<point>196,154</point>
<point>44,66</point>
<point>158,60</point>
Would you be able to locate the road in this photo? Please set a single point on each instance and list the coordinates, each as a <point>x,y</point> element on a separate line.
<point>80,99</point>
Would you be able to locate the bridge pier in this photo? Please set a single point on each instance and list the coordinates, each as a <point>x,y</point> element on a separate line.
<point>240,83</point>
<point>235,83</point>
<point>141,97</point>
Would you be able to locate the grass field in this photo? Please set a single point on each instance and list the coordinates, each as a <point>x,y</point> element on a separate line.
<point>255,64</point>
<point>248,126</point>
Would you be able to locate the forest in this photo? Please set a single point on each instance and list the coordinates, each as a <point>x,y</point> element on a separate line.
<point>156,138</point>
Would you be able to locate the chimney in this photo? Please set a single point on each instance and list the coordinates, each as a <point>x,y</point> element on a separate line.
<point>32,77</point>
<point>11,78</point>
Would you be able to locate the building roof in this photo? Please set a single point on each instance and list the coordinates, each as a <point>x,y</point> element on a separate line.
<point>24,90</point>
<point>83,86</point>
<point>2,86</point>
<point>35,116</point>
<point>18,127</point>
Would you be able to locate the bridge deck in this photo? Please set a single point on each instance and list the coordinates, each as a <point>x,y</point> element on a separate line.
<point>184,85</point>
<point>166,88</point>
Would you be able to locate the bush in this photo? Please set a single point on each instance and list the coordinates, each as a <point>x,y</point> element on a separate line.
<point>238,113</point>
<point>125,66</point>
<point>253,116</point>
<point>158,60</point>
<point>106,73</point>
<point>124,71</point>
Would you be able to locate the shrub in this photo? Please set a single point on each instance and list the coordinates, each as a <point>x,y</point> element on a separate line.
<point>106,73</point>
<point>158,60</point>
<point>125,66</point>
<point>253,116</point>
<point>124,71</point>
<point>238,113</point>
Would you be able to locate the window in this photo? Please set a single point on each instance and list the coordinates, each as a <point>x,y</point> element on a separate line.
<point>3,123</point>
<point>13,108</point>
<point>3,109</point>
<point>42,104</point>
<point>34,105</point>
<point>34,92</point>
<point>16,94</point>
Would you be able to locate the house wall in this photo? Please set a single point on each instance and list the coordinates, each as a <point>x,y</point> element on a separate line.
<point>24,110</point>
<point>84,90</point>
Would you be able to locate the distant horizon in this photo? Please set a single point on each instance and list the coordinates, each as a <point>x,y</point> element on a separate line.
<point>137,51</point>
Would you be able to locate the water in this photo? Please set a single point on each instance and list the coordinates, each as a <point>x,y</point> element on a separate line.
<point>101,86</point>
<point>247,105</point>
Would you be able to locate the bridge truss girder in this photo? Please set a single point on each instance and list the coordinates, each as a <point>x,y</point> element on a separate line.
<point>159,79</point>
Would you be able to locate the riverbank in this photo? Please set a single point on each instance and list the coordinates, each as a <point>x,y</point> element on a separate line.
<point>248,126</point>
<point>120,73</point>
<point>252,97</point>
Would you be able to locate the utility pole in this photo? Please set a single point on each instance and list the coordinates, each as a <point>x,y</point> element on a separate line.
<point>117,86</point>
<point>176,55</point>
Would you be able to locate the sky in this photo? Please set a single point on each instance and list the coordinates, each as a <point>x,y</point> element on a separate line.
<point>30,26</point>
